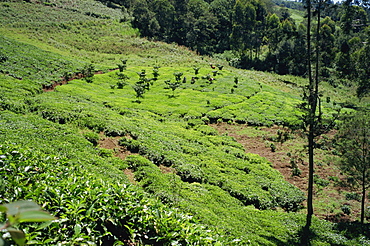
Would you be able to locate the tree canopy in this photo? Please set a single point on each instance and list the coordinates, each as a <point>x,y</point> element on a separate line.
<point>353,143</point>
<point>262,34</point>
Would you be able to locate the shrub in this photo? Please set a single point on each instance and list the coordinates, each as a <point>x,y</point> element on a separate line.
<point>353,196</point>
<point>89,209</point>
<point>105,153</point>
<point>346,209</point>
<point>321,182</point>
<point>92,137</point>
<point>136,161</point>
<point>296,171</point>
<point>88,72</point>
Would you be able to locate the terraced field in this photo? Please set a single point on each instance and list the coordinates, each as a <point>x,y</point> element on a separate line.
<point>146,155</point>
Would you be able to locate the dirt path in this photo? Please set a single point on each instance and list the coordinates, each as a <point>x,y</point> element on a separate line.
<point>48,88</point>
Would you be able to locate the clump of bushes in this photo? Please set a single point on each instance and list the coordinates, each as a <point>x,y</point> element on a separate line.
<point>88,72</point>
<point>88,208</point>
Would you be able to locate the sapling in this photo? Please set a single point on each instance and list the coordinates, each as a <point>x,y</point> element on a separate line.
<point>143,81</point>
<point>173,86</point>
<point>155,73</point>
<point>121,80</point>
<point>122,66</point>
<point>140,90</point>
<point>220,67</point>
<point>88,72</point>
<point>142,74</point>
<point>178,76</point>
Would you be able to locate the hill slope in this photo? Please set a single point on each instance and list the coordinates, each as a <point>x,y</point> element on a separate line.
<point>180,164</point>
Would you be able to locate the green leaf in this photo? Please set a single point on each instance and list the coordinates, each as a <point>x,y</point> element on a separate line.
<point>3,209</point>
<point>18,236</point>
<point>44,225</point>
<point>2,243</point>
<point>17,207</point>
<point>77,229</point>
<point>35,216</point>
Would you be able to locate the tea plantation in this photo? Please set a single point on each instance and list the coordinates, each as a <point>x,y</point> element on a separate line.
<point>191,186</point>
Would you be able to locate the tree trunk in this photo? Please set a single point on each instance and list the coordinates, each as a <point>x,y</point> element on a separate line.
<point>363,197</point>
<point>310,121</point>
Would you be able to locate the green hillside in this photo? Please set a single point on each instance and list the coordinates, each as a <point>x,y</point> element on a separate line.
<point>117,166</point>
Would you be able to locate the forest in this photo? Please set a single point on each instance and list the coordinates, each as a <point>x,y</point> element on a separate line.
<point>184,122</point>
<point>259,35</point>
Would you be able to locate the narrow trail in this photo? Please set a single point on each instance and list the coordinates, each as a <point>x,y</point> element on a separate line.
<point>64,81</point>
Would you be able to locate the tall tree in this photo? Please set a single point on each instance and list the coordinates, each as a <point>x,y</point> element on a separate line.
<point>144,19</point>
<point>181,7</point>
<point>354,146</point>
<point>222,10</point>
<point>311,106</point>
<point>165,15</point>
<point>363,72</point>
<point>313,121</point>
<point>201,27</point>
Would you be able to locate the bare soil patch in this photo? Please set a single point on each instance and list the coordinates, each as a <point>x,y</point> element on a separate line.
<point>328,199</point>
<point>258,144</point>
<point>113,144</point>
<point>120,152</point>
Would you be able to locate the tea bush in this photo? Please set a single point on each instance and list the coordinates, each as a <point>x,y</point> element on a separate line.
<point>90,210</point>
<point>30,62</point>
<point>178,159</point>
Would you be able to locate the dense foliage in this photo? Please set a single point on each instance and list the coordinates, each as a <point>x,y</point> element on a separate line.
<point>181,182</point>
<point>354,146</point>
<point>261,35</point>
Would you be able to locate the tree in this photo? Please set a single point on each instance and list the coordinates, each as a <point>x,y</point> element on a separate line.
<point>165,15</point>
<point>327,44</point>
<point>313,122</point>
<point>88,72</point>
<point>353,144</point>
<point>222,10</point>
<point>181,7</point>
<point>140,90</point>
<point>173,85</point>
<point>200,27</point>
<point>144,19</point>
<point>362,69</point>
